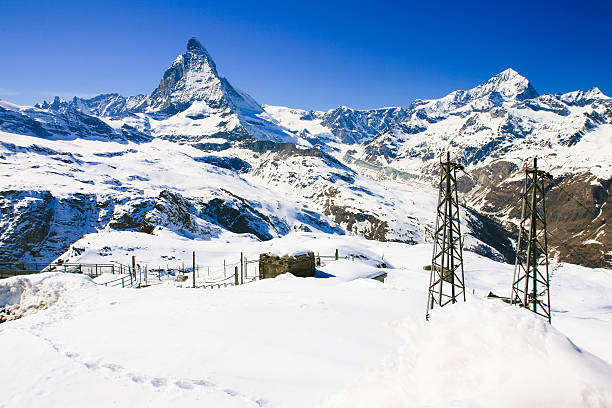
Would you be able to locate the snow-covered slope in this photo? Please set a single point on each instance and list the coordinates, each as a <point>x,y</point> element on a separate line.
<point>304,342</point>
<point>501,119</point>
<point>57,122</point>
<point>341,125</point>
<point>60,190</point>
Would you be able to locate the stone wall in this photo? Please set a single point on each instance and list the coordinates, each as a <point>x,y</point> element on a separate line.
<point>270,266</point>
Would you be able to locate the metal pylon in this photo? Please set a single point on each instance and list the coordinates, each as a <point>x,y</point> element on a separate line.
<point>530,287</point>
<point>446,281</point>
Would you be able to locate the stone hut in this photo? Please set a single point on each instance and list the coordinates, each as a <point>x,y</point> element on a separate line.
<point>302,265</point>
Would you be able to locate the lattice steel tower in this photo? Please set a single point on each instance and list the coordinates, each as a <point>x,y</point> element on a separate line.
<point>530,287</point>
<point>446,282</point>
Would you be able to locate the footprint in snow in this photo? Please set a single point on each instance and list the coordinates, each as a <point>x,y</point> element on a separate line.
<point>140,379</point>
<point>137,378</point>
<point>184,384</point>
<point>92,366</point>
<point>203,383</point>
<point>113,367</point>
<point>159,382</point>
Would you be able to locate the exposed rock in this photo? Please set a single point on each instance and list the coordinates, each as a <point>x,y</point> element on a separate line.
<point>174,212</point>
<point>130,215</point>
<point>575,234</point>
<point>239,216</point>
<point>230,163</point>
<point>358,222</point>
<point>37,227</point>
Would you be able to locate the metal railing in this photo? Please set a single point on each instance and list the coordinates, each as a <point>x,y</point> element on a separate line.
<point>8,269</point>
<point>92,270</point>
<point>118,281</point>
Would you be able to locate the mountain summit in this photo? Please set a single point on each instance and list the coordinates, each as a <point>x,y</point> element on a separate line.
<point>192,102</point>
<point>193,77</point>
<point>194,45</point>
<point>508,84</point>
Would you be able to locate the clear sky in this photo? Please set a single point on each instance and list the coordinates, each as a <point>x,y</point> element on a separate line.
<point>307,54</point>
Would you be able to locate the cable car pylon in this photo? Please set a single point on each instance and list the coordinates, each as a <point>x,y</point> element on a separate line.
<point>446,279</point>
<point>530,284</point>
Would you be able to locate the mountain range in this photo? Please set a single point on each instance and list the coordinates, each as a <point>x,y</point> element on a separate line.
<point>205,160</point>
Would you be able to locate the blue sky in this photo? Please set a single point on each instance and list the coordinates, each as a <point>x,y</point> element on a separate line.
<point>314,55</point>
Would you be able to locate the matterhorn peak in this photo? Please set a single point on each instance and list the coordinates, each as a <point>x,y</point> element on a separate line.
<point>191,77</point>
<point>195,46</point>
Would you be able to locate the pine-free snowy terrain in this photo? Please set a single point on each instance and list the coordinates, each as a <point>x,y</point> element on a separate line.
<point>305,342</point>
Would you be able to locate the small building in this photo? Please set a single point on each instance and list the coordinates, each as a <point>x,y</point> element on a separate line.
<point>299,264</point>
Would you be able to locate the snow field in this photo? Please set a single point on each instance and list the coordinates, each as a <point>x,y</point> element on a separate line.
<point>293,342</point>
<point>483,353</point>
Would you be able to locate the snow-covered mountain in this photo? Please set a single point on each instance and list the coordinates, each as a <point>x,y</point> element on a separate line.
<point>340,125</point>
<point>203,159</point>
<point>494,129</point>
<point>191,102</point>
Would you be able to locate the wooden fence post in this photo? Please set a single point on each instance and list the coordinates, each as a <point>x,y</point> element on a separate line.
<point>236,276</point>
<point>193,271</point>
<point>134,266</point>
<point>241,268</point>
<point>246,268</point>
<point>336,254</point>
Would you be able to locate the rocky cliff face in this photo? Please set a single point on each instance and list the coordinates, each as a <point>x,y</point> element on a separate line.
<point>36,226</point>
<point>577,206</point>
